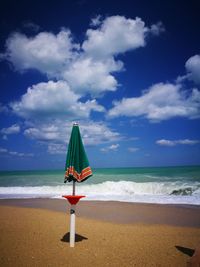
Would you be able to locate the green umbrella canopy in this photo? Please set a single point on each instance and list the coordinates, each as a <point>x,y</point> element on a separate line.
<point>77,164</point>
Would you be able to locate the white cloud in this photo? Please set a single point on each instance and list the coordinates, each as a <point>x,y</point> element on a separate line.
<point>58,56</point>
<point>45,52</point>
<point>193,68</point>
<point>3,108</point>
<point>181,78</point>
<point>187,142</point>
<point>49,109</point>
<point>31,26</point>
<point>95,133</point>
<point>117,34</point>
<point>92,134</point>
<point>133,149</point>
<point>157,28</point>
<point>160,102</point>
<point>57,133</point>
<point>86,70</point>
<point>165,142</point>
<point>57,149</point>
<point>14,129</point>
<point>51,100</point>
<point>113,147</point>
<point>19,154</point>
<point>3,150</point>
<point>93,76</point>
<point>6,152</point>
<point>96,21</point>
<point>44,133</point>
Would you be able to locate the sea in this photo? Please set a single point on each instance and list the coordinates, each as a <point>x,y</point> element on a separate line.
<point>164,185</point>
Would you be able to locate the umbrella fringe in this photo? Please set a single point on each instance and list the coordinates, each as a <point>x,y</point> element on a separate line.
<point>71,174</point>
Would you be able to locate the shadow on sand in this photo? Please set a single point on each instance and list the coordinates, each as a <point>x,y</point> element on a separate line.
<point>187,251</point>
<point>78,238</point>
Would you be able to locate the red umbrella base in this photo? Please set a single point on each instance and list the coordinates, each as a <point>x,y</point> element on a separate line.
<point>73,200</point>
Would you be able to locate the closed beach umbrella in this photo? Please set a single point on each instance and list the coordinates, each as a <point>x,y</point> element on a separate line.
<point>77,166</point>
<point>77,170</point>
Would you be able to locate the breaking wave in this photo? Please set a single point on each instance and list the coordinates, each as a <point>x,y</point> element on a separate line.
<point>148,192</point>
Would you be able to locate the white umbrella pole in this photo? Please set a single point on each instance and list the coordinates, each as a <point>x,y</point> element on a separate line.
<point>72,226</point>
<point>72,220</point>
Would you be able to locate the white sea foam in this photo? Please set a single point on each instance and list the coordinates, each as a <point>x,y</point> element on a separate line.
<point>151,192</point>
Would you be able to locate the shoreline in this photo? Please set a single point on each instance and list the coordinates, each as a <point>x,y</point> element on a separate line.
<point>118,212</point>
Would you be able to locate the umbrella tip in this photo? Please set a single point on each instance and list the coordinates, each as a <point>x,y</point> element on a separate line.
<point>75,124</point>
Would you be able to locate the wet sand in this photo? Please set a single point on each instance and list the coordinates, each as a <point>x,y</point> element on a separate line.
<point>119,212</point>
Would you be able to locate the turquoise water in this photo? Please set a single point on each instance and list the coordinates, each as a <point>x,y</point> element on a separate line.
<point>159,185</point>
<point>139,175</point>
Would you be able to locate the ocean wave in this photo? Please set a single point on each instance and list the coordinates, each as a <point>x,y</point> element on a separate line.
<point>151,192</point>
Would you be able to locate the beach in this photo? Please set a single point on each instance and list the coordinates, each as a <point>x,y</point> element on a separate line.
<point>35,232</point>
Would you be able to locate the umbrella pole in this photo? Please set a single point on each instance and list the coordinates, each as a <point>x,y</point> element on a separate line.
<point>72,221</point>
<point>72,226</point>
<point>73,192</point>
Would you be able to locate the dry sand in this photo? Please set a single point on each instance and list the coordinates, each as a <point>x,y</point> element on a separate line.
<point>39,237</point>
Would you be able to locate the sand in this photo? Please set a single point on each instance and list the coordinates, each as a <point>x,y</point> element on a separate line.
<point>38,236</point>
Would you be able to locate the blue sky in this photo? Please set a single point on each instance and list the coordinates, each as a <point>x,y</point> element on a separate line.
<point>127,71</point>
